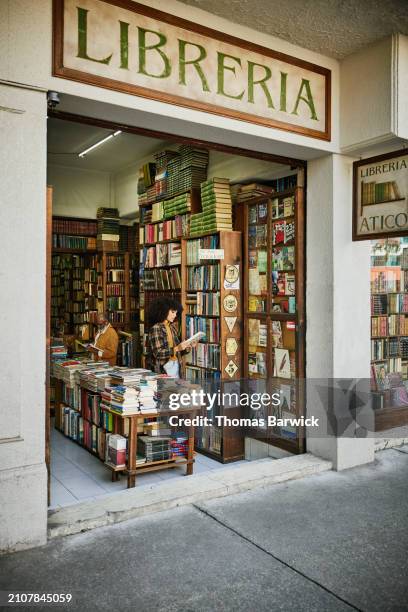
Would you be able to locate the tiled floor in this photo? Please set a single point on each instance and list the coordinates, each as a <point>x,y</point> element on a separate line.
<point>76,475</point>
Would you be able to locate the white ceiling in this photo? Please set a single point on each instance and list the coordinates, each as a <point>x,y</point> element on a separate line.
<point>334,28</point>
<point>66,139</point>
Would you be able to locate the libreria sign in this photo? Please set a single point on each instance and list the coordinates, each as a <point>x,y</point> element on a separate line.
<point>130,47</point>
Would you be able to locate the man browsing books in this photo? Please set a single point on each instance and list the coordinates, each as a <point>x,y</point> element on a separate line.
<point>105,346</point>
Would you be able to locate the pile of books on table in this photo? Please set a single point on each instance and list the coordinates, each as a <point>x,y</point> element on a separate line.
<point>154,449</point>
<point>58,350</point>
<point>95,377</point>
<point>124,400</point>
<point>179,444</point>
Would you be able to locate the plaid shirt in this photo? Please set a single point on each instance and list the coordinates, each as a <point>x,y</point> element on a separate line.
<point>159,346</point>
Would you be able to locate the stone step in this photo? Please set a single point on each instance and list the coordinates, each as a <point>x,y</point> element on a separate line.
<point>142,500</point>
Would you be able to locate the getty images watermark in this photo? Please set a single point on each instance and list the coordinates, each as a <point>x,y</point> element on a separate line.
<point>325,407</point>
<point>253,401</point>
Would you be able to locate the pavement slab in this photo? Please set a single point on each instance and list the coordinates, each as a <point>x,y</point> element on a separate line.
<point>348,530</point>
<point>178,560</point>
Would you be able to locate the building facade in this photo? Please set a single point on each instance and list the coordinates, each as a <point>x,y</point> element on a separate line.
<point>366,116</point>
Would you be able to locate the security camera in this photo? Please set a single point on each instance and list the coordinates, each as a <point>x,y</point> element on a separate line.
<point>53,99</point>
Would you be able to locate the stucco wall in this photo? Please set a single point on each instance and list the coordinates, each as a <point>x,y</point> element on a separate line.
<point>23,488</point>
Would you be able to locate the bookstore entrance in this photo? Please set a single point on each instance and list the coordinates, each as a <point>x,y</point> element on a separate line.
<point>139,222</point>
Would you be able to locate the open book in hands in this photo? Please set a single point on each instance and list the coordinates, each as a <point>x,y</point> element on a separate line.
<point>192,340</point>
<point>87,346</point>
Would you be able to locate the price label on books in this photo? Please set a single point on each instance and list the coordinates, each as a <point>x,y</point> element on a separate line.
<point>380,191</point>
<point>211,253</point>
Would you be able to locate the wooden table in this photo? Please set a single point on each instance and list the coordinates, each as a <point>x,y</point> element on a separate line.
<point>131,468</point>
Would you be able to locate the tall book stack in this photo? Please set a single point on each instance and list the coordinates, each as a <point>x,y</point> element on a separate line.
<point>173,169</point>
<point>161,183</point>
<point>216,208</point>
<point>193,167</point>
<point>108,229</point>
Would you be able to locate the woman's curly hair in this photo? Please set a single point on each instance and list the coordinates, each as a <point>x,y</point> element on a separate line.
<point>159,309</point>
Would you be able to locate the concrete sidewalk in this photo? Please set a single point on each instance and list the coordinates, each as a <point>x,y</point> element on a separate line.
<point>328,542</point>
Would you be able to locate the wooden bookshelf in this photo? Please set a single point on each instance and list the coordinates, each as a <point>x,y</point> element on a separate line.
<point>274,306</point>
<point>222,443</point>
<point>147,293</point>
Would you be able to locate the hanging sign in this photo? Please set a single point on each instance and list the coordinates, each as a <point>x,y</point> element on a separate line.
<point>137,49</point>
<point>380,192</point>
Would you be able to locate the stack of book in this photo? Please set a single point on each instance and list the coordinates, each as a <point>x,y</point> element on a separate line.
<point>216,208</point>
<point>58,350</point>
<point>154,449</point>
<point>124,400</point>
<point>179,444</point>
<point>116,450</point>
<point>157,429</point>
<point>179,205</point>
<point>108,229</point>
<point>193,167</point>
<point>173,169</point>
<point>161,184</point>
<point>147,394</point>
<point>253,190</point>
<point>128,376</point>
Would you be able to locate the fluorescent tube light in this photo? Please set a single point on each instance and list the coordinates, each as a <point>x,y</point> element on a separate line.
<point>98,144</point>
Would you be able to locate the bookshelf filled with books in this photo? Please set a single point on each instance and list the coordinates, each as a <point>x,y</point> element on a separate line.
<point>168,192</point>
<point>274,305</point>
<point>73,276</point>
<point>85,282</point>
<point>389,331</point>
<point>211,298</point>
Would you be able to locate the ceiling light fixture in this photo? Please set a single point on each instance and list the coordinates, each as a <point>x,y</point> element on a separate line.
<point>98,144</point>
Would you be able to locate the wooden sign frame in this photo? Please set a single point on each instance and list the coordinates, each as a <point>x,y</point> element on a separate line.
<point>59,70</point>
<point>356,205</point>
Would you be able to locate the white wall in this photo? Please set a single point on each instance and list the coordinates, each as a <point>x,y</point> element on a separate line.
<point>337,305</point>
<point>23,484</point>
<point>78,192</point>
<point>373,95</point>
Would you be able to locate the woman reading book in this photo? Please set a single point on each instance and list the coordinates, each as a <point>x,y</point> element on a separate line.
<point>165,348</point>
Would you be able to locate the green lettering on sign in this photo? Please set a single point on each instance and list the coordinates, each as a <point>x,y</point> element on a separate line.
<point>261,82</point>
<point>284,79</point>
<point>220,74</point>
<point>124,45</point>
<point>195,62</point>
<point>83,38</point>
<point>309,99</point>
<point>143,47</point>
